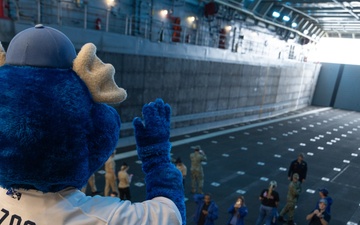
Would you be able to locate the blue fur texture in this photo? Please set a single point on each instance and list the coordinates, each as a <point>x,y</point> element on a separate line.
<point>152,135</point>
<point>52,134</point>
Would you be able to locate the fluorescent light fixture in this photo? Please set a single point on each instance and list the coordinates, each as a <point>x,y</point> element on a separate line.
<point>163,13</point>
<point>276,14</point>
<point>286,18</point>
<point>228,28</point>
<point>191,19</point>
<point>293,24</point>
<point>110,2</point>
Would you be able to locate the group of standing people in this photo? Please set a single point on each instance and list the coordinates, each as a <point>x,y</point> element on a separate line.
<point>269,198</point>
<point>207,211</point>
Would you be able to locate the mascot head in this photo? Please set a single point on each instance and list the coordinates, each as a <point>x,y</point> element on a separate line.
<point>55,128</point>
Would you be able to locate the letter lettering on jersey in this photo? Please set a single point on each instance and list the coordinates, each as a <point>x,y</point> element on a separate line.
<point>28,222</point>
<point>15,219</point>
<point>6,214</point>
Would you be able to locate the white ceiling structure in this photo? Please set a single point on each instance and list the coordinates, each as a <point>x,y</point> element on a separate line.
<point>311,19</point>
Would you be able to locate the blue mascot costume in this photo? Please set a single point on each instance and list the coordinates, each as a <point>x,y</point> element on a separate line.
<point>56,130</point>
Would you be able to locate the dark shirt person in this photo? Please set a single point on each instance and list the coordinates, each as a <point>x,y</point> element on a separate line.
<point>298,166</point>
<point>319,216</point>
<point>269,202</point>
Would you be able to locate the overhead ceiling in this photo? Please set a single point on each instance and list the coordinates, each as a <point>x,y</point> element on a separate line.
<point>313,19</point>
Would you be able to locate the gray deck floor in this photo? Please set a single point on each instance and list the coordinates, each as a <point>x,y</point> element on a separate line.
<point>243,158</point>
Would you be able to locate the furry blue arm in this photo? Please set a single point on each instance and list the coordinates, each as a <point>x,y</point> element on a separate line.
<point>153,146</point>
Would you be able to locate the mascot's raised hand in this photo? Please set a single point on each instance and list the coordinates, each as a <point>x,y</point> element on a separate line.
<point>56,130</point>
<point>153,145</point>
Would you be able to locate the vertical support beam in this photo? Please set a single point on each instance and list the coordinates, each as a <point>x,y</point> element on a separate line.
<point>107,19</point>
<point>38,12</point>
<point>58,12</point>
<point>85,15</point>
<point>337,84</point>
<point>268,9</point>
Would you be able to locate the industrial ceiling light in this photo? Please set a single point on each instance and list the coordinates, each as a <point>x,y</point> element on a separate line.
<point>110,3</point>
<point>228,28</point>
<point>306,32</point>
<point>191,19</point>
<point>286,18</point>
<point>293,24</point>
<point>276,14</point>
<point>164,13</point>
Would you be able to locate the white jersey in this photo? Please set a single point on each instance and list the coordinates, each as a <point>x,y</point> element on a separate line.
<point>71,206</point>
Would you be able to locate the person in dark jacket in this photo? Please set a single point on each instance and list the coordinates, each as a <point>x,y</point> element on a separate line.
<point>238,212</point>
<point>206,210</point>
<point>298,166</point>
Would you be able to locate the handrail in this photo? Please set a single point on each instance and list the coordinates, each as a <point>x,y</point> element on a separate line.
<point>67,13</point>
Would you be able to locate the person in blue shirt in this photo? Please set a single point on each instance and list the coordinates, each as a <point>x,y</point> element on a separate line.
<point>238,212</point>
<point>206,210</point>
<point>324,194</point>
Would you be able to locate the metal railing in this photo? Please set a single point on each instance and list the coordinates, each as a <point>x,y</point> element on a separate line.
<point>68,13</point>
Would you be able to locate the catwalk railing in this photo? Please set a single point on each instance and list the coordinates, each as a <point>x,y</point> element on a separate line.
<point>167,30</point>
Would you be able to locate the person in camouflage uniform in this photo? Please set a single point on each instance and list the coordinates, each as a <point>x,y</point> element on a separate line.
<point>197,173</point>
<point>292,197</point>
